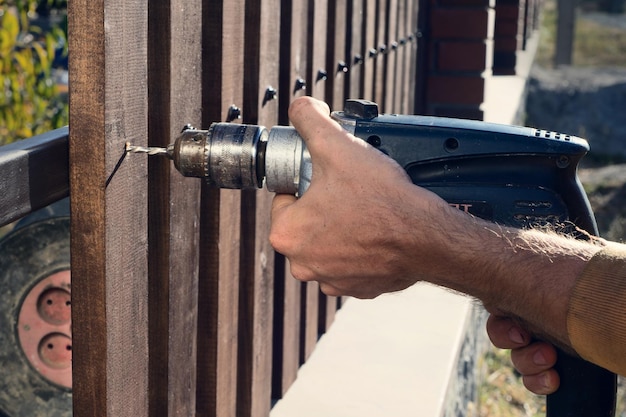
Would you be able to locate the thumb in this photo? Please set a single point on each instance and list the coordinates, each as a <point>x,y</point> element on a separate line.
<point>311,119</point>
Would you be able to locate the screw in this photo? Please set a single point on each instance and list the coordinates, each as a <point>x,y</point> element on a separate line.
<point>394,45</point>
<point>342,67</point>
<point>562,161</point>
<point>270,94</point>
<point>373,52</point>
<point>382,49</point>
<point>358,59</point>
<point>234,113</point>
<point>300,85</point>
<point>321,75</point>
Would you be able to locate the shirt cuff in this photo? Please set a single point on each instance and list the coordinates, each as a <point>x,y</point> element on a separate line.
<point>596,320</point>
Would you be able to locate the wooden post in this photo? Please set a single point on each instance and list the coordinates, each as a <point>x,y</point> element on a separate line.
<point>108,107</point>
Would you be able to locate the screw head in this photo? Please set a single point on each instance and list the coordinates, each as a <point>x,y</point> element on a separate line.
<point>322,75</point>
<point>270,94</point>
<point>300,85</point>
<point>234,113</point>
<point>342,67</point>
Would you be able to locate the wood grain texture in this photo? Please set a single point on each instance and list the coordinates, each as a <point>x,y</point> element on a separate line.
<point>256,301</point>
<point>293,54</point>
<point>391,36</point>
<point>355,48</point>
<point>380,71</point>
<point>287,305</point>
<point>336,54</point>
<point>287,340</point>
<point>108,106</point>
<point>220,220</point>
<point>173,207</point>
<point>371,50</point>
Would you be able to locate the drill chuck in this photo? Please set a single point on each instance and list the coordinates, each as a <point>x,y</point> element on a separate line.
<point>233,156</point>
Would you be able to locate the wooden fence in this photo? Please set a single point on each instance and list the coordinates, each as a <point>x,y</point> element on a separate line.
<point>180,306</point>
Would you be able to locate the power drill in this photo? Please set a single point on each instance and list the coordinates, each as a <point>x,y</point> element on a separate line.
<point>516,176</point>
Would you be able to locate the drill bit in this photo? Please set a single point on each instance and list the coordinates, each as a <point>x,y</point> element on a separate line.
<point>150,150</point>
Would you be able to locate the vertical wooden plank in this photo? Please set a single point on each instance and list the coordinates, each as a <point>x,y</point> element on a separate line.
<point>400,87</point>
<point>286,328</point>
<point>413,20</point>
<point>316,46</point>
<point>173,206</point>
<point>293,55</point>
<point>355,48</point>
<point>108,106</point>
<point>257,257</point>
<point>380,73</point>
<point>336,56</point>
<point>293,67</point>
<point>317,78</point>
<point>338,71</point>
<point>220,222</point>
<point>392,57</point>
<point>371,51</point>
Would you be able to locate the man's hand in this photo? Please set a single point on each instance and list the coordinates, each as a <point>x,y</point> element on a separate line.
<point>533,359</point>
<point>325,234</point>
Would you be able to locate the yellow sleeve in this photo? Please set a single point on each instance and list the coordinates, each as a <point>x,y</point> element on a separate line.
<point>596,320</point>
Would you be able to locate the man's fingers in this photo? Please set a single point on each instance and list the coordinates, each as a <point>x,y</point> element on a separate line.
<point>505,333</point>
<point>543,383</point>
<point>534,358</point>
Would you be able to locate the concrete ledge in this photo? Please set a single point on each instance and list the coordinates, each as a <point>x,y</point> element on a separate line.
<point>391,356</point>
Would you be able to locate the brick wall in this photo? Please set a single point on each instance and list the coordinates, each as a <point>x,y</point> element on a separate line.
<point>463,43</point>
<point>459,42</point>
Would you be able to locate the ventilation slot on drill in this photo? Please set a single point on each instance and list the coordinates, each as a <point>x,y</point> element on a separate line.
<point>552,135</point>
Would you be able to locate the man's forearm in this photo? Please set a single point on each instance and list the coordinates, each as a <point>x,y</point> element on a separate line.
<point>528,274</point>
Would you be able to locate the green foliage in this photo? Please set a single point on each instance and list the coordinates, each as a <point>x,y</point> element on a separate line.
<point>30,101</point>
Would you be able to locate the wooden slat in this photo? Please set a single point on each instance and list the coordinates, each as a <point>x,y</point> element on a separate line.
<point>293,67</point>
<point>336,54</point>
<point>286,329</point>
<point>411,64</point>
<point>108,106</point>
<point>316,43</point>
<point>256,300</point>
<point>392,58</point>
<point>371,51</point>
<point>380,72</point>
<point>220,222</point>
<point>400,86</point>
<point>293,54</point>
<point>173,228</point>
<point>355,49</point>
<point>338,67</point>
